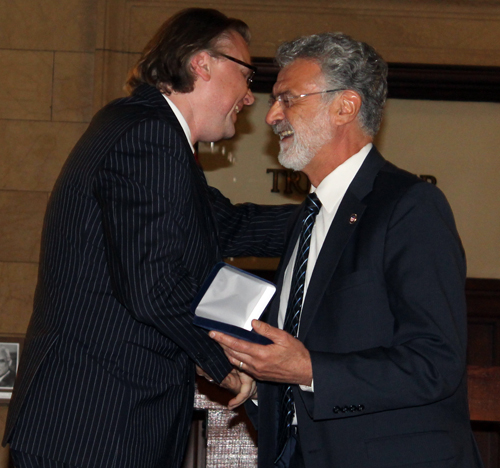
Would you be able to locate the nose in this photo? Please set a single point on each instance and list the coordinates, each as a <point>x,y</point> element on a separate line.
<point>274,114</point>
<point>248,100</point>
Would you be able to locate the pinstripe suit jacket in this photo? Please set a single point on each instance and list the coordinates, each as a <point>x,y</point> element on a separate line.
<point>131,231</point>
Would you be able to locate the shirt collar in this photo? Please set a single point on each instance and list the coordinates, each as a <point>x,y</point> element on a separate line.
<point>181,120</point>
<point>334,186</point>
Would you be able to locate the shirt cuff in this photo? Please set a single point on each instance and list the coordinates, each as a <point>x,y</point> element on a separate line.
<point>306,388</point>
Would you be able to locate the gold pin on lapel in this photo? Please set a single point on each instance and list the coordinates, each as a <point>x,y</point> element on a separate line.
<point>353,218</point>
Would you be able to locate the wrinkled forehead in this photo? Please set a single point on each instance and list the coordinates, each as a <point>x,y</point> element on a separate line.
<point>299,77</point>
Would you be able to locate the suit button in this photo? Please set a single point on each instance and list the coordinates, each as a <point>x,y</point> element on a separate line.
<point>345,409</point>
<point>336,409</point>
<point>361,407</point>
<point>352,408</point>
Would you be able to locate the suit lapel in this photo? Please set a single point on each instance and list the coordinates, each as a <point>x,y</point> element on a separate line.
<point>158,101</point>
<point>337,238</point>
<point>346,221</point>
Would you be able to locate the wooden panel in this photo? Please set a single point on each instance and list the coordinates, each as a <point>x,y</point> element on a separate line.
<point>483,306</point>
<point>481,342</point>
<point>484,393</point>
<point>487,437</point>
<point>416,81</point>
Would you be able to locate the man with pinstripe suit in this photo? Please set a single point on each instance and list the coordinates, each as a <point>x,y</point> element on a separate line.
<point>131,231</point>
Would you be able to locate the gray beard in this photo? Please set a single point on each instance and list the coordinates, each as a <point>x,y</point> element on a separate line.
<point>306,143</point>
<point>296,156</point>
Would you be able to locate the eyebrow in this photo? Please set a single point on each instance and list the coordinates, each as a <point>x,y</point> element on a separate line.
<point>287,91</point>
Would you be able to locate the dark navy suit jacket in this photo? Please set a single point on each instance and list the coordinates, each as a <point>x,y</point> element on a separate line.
<point>131,231</point>
<point>384,320</point>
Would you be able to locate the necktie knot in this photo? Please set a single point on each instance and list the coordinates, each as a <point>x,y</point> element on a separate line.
<point>313,205</point>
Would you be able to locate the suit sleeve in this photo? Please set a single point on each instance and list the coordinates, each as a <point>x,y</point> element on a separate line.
<point>145,194</point>
<point>250,230</point>
<point>422,359</point>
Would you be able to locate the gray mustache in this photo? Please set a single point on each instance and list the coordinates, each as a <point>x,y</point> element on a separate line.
<point>282,127</point>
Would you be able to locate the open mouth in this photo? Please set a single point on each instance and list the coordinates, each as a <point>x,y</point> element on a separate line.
<point>285,134</point>
<point>283,129</point>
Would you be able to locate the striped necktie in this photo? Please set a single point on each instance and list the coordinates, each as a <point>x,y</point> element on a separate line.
<point>293,311</point>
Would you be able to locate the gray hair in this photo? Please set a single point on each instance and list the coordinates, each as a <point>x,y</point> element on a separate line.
<point>346,64</point>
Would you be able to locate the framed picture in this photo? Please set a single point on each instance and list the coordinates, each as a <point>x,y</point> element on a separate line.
<point>10,351</point>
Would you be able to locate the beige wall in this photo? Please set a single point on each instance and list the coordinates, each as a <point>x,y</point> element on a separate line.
<point>61,61</point>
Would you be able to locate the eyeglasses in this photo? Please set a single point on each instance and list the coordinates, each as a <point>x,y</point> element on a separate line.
<point>286,99</point>
<point>240,62</point>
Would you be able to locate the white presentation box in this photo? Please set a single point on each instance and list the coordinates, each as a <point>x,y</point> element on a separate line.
<point>230,299</point>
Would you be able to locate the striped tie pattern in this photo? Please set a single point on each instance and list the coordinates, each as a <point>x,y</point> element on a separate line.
<point>293,311</point>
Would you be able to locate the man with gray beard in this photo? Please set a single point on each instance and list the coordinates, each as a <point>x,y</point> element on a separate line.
<point>367,366</point>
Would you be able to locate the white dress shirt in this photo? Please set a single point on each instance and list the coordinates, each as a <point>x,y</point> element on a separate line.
<point>330,192</point>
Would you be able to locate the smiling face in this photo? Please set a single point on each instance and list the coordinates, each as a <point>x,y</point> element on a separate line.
<point>229,91</point>
<point>304,127</point>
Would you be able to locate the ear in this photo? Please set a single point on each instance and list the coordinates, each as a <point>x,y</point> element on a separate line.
<point>346,107</point>
<point>201,64</point>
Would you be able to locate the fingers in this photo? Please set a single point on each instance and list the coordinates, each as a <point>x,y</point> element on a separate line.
<point>242,385</point>
<point>232,382</point>
<point>238,399</point>
<point>248,380</point>
<point>237,351</point>
<point>230,342</point>
<point>263,328</point>
<point>240,353</point>
<point>248,390</point>
<point>237,382</point>
<point>276,335</point>
<point>286,360</point>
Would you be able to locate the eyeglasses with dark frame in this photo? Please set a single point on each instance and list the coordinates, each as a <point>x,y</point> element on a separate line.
<point>240,62</point>
<point>286,99</point>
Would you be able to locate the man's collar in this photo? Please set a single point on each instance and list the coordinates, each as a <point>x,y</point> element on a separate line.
<point>153,97</point>
<point>334,185</point>
<point>181,120</point>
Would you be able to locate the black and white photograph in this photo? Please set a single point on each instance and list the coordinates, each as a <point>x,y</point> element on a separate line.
<point>10,349</point>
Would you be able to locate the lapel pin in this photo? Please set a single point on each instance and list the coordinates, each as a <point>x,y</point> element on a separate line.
<point>353,218</point>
